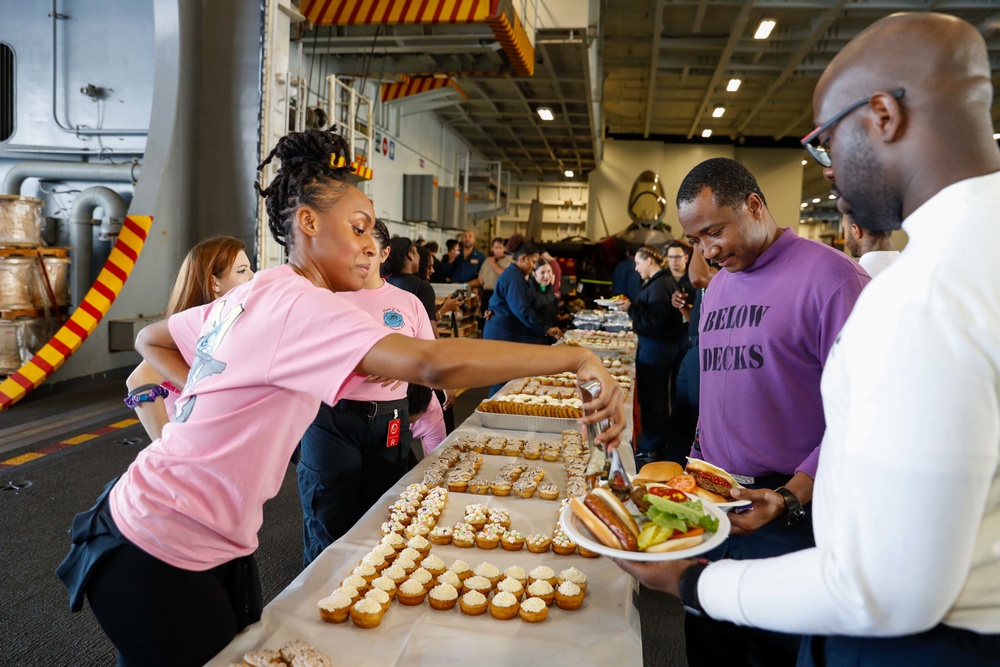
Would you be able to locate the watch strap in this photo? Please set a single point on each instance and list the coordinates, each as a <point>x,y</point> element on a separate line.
<point>793,508</point>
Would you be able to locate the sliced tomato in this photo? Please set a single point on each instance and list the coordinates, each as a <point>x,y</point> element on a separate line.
<point>684,483</point>
<point>668,493</point>
<point>697,530</point>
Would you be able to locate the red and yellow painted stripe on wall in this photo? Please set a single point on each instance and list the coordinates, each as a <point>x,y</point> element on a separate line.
<point>68,442</point>
<point>500,16</point>
<point>85,318</point>
<point>362,171</point>
<point>416,85</point>
<point>388,12</point>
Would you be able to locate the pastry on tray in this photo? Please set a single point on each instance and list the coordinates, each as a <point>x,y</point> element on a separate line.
<point>478,583</point>
<point>569,596</point>
<point>434,565</point>
<point>424,577</point>
<point>366,613</point>
<point>440,535</point>
<point>452,579</point>
<point>504,606</point>
<point>384,583</point>
<point>512,586</point>
<point>542,589</point>
<point>443,596</point>
<point>411,593</point>
<point>487,539</point>
<point>462,569</point>
<point>473,603</point>
<point>517,572</point>
<point>543,572</point>
<point>512,540</point>
<point>489,571</point>
<point>533,610</point>
<point>538,543</point>
<point>574,575</point>
<point>379,596</point>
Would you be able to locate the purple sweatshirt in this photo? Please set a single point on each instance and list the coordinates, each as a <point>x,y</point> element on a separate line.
<point>765,335</point>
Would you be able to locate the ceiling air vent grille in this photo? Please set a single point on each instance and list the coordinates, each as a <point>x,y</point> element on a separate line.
<point>6,92</point>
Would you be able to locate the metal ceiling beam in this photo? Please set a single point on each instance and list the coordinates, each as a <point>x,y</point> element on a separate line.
<point>823,24</point>
<point>474,86</point>
<point>734,37</point>
<point>562,100</point>
<point>527,106</point>
<point>655,47</point>
<point>699,16</point>
<point>803,115</point>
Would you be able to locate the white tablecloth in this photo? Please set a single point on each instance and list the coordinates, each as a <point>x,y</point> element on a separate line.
<point>605,631</point>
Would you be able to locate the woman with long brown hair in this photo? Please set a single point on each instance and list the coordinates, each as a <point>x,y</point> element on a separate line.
<point>211,268</point>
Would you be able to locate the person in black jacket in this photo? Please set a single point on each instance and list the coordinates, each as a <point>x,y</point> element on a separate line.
<point>661,332</point>
<point>544,296</point>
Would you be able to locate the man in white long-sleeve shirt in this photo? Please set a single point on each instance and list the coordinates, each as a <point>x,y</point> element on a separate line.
<point>906,568</point>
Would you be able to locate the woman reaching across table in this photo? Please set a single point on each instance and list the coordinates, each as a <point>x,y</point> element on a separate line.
<point>165,556</point>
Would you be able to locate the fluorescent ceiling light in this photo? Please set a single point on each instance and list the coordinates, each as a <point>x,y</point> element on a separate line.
<point>832,197</point>
<point>805,162</point>
<point>718,111</point>
<point>803,204</point>
<point>764,29</point>
<point>816,200</point>
<point>705,134</point>
<point>733,85</point>
<point>569,173</point>
<point>996,135</point>
<point>545,113</point>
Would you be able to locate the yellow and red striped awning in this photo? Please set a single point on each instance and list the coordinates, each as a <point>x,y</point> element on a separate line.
<point>500,16</point>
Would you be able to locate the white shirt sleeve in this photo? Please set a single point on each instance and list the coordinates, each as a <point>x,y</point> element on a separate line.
<point>901,492</point>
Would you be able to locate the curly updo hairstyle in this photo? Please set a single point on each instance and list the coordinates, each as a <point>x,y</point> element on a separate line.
<point>306,177</point>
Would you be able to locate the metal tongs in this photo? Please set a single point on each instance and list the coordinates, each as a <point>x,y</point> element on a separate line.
<point>601,466</point>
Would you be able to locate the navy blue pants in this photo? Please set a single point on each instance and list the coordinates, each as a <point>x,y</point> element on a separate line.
<point>655,375</point>
<point>346,466</point>
<point>937,647</point>
<point>713,643</point>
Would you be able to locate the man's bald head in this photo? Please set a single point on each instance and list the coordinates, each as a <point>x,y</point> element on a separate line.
<point>923,122</point>
<point>932,56</point>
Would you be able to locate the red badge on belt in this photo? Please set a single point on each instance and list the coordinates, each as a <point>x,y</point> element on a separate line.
<point>392,437</point>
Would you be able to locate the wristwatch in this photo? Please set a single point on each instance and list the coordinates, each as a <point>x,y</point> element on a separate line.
<point>793,508</point>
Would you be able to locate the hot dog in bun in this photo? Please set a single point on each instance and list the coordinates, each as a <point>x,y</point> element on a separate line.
<point>608,519</point>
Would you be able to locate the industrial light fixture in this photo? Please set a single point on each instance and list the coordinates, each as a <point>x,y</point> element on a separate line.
<point>764,29</point>
<point>545,113</point>
<point>996,135</point>
<point>803,204</point>
<point>718,111</point>
<point>805,162</point>
<point>816,200</point>
<point>705,134</point>
<point>568,173</point>
<point>733,85</point>
<point>832,197</point>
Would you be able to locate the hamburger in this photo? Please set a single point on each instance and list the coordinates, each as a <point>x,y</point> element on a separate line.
<point>713,479</point>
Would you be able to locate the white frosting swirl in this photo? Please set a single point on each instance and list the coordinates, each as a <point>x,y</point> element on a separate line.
<point>444,592</point>
<point>533,605</point>
<point>459,566</point>
<point>488,570</point>
<point>336,601</point>
<point>418,542</point>
<point>540,587</point>
<point>542,572</point>
<point>475,598</point>
<point>504,599</point>
<point>378,595</point>
<point>368,606</point>
<point>432,562</point>
<point>421,575</point>
<point>411,587</point>
<point>574,575</point>
<point>569,589</point>
<point>515,571</point>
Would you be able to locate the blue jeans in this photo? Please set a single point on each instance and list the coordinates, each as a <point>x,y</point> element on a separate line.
<point>941,645</point>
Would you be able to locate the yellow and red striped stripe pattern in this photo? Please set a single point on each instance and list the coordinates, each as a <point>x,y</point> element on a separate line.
<point>417,85</point>
<point>85,318</point>
<point>68,442</point>
<point>391,12</point>
<point>514,40</point>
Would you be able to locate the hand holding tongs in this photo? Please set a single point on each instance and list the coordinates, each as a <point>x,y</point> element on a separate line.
<point>599,464</point>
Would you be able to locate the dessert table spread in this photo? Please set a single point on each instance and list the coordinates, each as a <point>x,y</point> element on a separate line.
<point>604,631</point>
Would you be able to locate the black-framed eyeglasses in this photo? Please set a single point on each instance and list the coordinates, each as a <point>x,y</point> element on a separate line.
<point>820,152</point>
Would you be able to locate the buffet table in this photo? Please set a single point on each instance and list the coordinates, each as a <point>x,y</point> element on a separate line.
<point>604,631</point>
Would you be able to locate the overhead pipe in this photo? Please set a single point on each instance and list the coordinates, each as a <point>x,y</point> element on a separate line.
<point>81,232</point>
<point>78,131</point>
<point>67,171</point>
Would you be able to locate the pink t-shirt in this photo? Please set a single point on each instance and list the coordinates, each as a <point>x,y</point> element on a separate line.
<point>399,312</point>
<point>429,427</point>
<point>262,358</point>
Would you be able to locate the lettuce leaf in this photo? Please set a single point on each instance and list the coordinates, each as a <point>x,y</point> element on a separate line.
<point>679,516</point>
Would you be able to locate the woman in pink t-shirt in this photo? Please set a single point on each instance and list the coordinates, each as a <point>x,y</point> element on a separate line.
<point>211,268</point>
<point>355,450</point>
<point>165,557</point>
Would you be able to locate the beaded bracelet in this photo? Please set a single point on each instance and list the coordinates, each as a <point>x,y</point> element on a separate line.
<point>155,391</point>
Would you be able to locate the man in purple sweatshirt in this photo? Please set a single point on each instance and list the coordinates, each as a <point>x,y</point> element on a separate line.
<point>768,321</point>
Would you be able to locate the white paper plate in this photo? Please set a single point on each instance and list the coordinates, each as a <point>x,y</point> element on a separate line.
<point>581,535</point>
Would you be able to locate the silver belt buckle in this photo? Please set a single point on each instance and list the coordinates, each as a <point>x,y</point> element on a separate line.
<point>743,479</point>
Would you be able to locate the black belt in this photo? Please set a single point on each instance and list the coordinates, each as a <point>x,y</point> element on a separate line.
<point>371,409</point>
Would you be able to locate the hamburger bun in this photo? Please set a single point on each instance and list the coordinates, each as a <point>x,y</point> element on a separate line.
<point>660,471</point>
